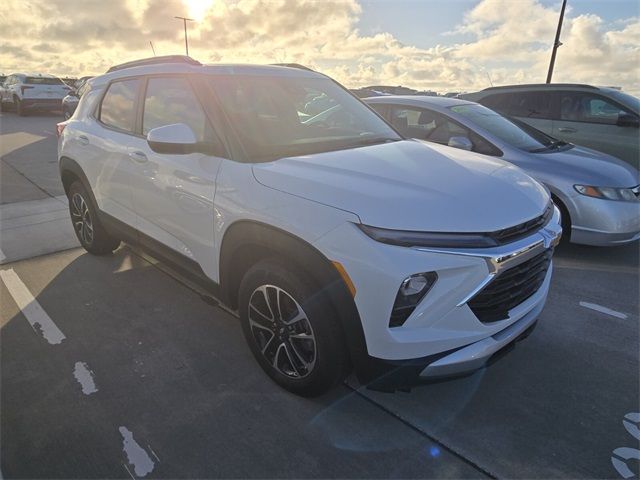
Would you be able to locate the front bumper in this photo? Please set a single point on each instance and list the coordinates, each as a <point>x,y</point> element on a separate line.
<point>601,222</point>
<point>442,321</point>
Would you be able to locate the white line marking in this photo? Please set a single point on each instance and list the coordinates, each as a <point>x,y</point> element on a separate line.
<point>136,455</point>
<point>153,453</point>
<point>35,314</point>
<point>601,309</point>
<point>85,378</point>
<point>129,472</point>
<point>3,257</point>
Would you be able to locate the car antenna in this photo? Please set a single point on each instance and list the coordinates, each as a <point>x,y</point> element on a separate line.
<point>152,49</point>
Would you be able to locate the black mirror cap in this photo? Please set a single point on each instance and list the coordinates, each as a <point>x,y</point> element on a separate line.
<point>628,120</point>
<point>206,148</point>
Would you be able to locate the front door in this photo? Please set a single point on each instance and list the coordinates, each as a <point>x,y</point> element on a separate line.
<point>173,193</point>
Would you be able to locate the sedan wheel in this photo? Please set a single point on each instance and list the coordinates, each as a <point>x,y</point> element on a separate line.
<point>81,218</point>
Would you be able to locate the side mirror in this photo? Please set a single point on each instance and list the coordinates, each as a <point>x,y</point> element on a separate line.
<point>177,138</point>
<point>462,143</point>
<point>627,120</point>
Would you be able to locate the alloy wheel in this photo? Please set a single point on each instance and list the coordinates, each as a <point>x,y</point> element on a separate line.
<point>282,331</point>
<point>81,218</point>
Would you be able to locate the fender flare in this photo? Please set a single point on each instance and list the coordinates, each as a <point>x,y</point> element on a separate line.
<point>246,242</point>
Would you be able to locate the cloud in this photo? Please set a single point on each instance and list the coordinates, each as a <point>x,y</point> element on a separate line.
<point>510,41</point>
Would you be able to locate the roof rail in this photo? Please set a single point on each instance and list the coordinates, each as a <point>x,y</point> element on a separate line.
<point>183,59</point>
<point>293,65</point>
<point>551,85</point>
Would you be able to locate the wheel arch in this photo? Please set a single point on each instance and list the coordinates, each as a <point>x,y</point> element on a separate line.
<point>247,242</point>
<point>71,171</point>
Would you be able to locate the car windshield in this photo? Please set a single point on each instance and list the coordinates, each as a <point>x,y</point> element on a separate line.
<point>42,81</point>
<point>505,129</point>
<point>281,116</point>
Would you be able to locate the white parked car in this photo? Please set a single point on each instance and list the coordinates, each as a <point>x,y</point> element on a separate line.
<point>25,92</point>
<point>340,246</point>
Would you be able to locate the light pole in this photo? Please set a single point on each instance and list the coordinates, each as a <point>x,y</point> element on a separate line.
<point>557,43</point>
<point>186,41</point>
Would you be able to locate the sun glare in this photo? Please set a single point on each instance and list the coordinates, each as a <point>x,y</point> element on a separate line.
<point>198,8</point>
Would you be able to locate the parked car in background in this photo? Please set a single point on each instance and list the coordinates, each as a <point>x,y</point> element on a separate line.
<point>601,118</point>
<point>26,92</point>
<point>597,193</point>
<point>70,102</point>
<point>340,246</point>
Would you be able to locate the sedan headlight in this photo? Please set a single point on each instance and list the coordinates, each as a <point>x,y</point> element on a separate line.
<point>607,193</point>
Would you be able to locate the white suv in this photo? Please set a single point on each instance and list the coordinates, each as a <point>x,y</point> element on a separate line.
<point>340,245</point>
<point>33,92</point>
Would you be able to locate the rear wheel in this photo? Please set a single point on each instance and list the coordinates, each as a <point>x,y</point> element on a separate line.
<point>19,107</point>
<point>292,329</point>
<point>86,224</point>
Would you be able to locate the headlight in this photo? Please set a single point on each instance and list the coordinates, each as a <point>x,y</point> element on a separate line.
<point>607,193</point>
<point>428,239</point>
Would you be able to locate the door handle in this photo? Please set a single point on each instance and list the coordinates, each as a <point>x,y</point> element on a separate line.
<point>567,130</point>
<point>138,157</point>
<point>83,140</point>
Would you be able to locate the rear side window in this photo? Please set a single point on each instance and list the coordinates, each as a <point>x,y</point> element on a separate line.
<point>42,81</point>
<point>118,105</point>
<point>171,100</point>
<point>524,104</point>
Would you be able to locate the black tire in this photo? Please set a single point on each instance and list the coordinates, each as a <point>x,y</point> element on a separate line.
<point>565,220</point>
<point>86,224</point>
<point>284,349</point>
<point>19,108</point>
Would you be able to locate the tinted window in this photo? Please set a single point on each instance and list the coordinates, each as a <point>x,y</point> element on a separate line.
<point>278,116</point>
<point>428,125</point>
<point>171,100</point>
<point>524,104</point>
<point>118,105</point>
<point>589,108</point>
<point>43,81</point>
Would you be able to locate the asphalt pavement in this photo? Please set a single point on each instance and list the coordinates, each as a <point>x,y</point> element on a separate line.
<point>112,367</point>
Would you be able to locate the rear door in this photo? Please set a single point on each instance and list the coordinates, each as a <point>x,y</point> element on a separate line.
<point>533,107</point>
<point>590,119</point>
<point>106,147</point>
<point>173,193</point>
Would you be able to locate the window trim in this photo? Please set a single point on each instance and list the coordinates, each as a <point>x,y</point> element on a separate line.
<point>97,114</point>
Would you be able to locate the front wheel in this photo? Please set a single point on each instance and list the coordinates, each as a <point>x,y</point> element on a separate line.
<point>19,107</point>
<point>292,329</point>
<point>86,224</point>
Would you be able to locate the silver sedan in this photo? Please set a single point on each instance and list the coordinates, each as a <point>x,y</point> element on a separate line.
<point>598,194</point>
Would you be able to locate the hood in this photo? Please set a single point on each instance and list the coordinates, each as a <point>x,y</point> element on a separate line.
<point>411,185</point>
<point>589,167</point>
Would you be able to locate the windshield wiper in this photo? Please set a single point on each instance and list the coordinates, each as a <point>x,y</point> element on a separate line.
<point>554,145</point>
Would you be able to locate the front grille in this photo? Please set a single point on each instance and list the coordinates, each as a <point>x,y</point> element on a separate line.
<point>522,230</point>
<point>510,288</point>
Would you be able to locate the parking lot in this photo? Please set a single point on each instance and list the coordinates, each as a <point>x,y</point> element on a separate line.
<point>116,367</point>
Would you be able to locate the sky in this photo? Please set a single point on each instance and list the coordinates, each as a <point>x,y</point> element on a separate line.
<point>442,45</point>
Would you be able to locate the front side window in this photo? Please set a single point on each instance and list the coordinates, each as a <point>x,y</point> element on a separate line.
<point>585,107</point>
<point>280,116</point>
<point>171,100</point>
<point>118,105</point>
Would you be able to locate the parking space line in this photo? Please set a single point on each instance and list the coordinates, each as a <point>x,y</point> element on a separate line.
<point>85,378</point>
<point>3,257</point>
<point>136,455</point>
<point>601,309</point>
<point>31,309</point>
